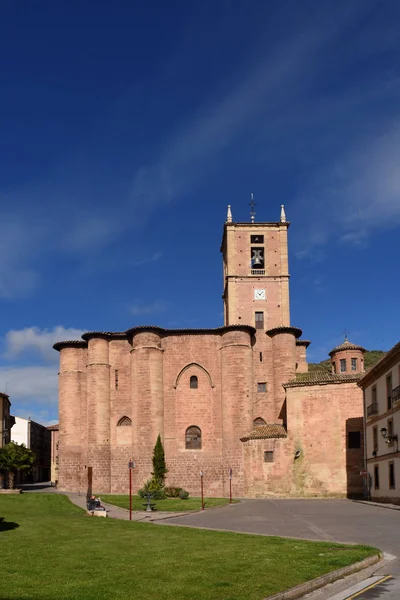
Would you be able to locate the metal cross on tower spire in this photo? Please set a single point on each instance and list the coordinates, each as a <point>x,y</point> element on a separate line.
<point>252,204</point>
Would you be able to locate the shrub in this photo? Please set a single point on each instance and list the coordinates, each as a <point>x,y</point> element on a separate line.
<point>183,495</point>
<point>153,487</point>
<point>172,492</point>
<point>159,466</point>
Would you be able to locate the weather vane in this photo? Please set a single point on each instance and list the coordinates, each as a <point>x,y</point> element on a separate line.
<point>252,204</point>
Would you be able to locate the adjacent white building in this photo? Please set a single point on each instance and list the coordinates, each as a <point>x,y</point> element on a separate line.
<point>37,438</point>
<point>20,431</point>
<point>381,386</point>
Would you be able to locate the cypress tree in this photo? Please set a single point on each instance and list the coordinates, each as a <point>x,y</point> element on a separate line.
<point>159,466</point>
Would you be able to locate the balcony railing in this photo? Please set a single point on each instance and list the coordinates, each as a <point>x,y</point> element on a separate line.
<point>372,409</point>
<point>258,271</point>
<point>396,394</point>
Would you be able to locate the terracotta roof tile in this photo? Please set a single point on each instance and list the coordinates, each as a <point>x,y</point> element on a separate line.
<point>346,346</point>
<point>124,335</point>
<point>285,329</point>
<point>68,343</point>
<point>266,432</point>
<point>321,377</point>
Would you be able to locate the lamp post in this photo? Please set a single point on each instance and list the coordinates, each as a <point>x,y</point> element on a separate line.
<point>131,466</point>
<point>389,438</point>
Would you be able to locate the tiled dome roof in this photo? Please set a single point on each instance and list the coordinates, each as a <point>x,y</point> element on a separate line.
<point>346,346</point>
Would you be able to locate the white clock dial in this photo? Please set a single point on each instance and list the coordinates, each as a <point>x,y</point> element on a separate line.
<point>259,294</point>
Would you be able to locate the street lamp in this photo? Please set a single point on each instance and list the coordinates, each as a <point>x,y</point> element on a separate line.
<point>388,438</point>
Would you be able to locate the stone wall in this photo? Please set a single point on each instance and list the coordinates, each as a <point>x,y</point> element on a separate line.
<point>319,419</point>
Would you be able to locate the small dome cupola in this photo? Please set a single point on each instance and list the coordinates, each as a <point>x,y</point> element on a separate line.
<point>347,359</point>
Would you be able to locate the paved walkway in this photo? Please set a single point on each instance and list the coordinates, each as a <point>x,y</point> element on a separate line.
<point>115,512</point>
<point>331,520</point>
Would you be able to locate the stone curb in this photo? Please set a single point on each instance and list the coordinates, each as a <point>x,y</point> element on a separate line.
<point>320,582</point>
<point>378,504</point>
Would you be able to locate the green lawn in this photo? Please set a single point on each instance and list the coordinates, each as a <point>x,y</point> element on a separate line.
<point>169,504</point>
<point>50,550</point>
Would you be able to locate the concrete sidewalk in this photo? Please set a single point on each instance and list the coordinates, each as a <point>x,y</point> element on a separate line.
<point>115,512</point>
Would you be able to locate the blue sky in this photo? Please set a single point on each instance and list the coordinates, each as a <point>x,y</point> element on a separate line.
<point>126,129</point>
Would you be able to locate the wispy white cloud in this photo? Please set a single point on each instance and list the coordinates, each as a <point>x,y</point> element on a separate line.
<point>18,278</point>
<point>145,260</point>
<point>88,233</point>
<point>357,195</point>
<point>158,306</point>
<point>30,384</point>
<point>38,340</point>
<point>252,100</point>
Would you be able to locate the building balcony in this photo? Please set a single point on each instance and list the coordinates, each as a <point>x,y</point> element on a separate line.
<point>372,409</point>
<point>396,394</point>
<point>258,271</point>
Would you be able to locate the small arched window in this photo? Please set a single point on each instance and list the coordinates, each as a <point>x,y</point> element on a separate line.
<point>124,422</point>
<point>258,422</point>
<point>193,438</point>
<point>194,382</point>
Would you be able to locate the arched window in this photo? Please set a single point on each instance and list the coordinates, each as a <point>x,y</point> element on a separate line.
<point>193,438</point>
<point>194,382</point>
<point>258,422</point>
<point>124,422</point>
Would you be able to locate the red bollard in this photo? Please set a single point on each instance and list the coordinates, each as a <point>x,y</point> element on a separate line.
<point>131,465</point>
<point>202,490</point>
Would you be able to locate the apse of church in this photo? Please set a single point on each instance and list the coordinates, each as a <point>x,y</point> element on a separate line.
<point>218,397</point>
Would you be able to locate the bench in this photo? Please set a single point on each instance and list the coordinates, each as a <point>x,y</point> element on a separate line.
<point>97,513</point>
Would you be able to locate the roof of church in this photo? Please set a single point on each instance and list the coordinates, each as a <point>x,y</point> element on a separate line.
<point>217,330</point>
<point>305,343</point>
<point>321,377</point>
<point>69,343</point>
<point>285,329</point>
<point>123,335</point>
<point>346,346</point>
<point>266,432</point>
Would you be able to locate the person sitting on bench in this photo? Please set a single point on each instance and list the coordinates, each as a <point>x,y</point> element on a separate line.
<point>94,504</point>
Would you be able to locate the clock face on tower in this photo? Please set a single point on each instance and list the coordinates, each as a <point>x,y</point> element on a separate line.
<point>259,294</point>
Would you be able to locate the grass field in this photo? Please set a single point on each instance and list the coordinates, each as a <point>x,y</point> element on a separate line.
<point>169,504</point>
<point>51,550</point>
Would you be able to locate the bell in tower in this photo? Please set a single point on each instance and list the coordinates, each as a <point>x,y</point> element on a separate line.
<point>257,258</point>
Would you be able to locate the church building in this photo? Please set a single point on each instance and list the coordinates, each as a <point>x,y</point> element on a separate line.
<point>237,399</point>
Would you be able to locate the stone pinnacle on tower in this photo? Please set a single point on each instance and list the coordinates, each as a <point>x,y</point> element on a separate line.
<point>229,215</point>
<point>283,214</point>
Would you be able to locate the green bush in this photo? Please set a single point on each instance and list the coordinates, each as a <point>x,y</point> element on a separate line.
<point>172,492</point>
<point>159,466</point>
<point>153,487</point>
<point>183,495</point>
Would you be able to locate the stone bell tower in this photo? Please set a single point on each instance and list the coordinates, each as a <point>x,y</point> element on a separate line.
<point>256,272</point>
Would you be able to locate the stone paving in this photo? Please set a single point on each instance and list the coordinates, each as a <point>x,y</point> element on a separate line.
<point>115,512</point>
